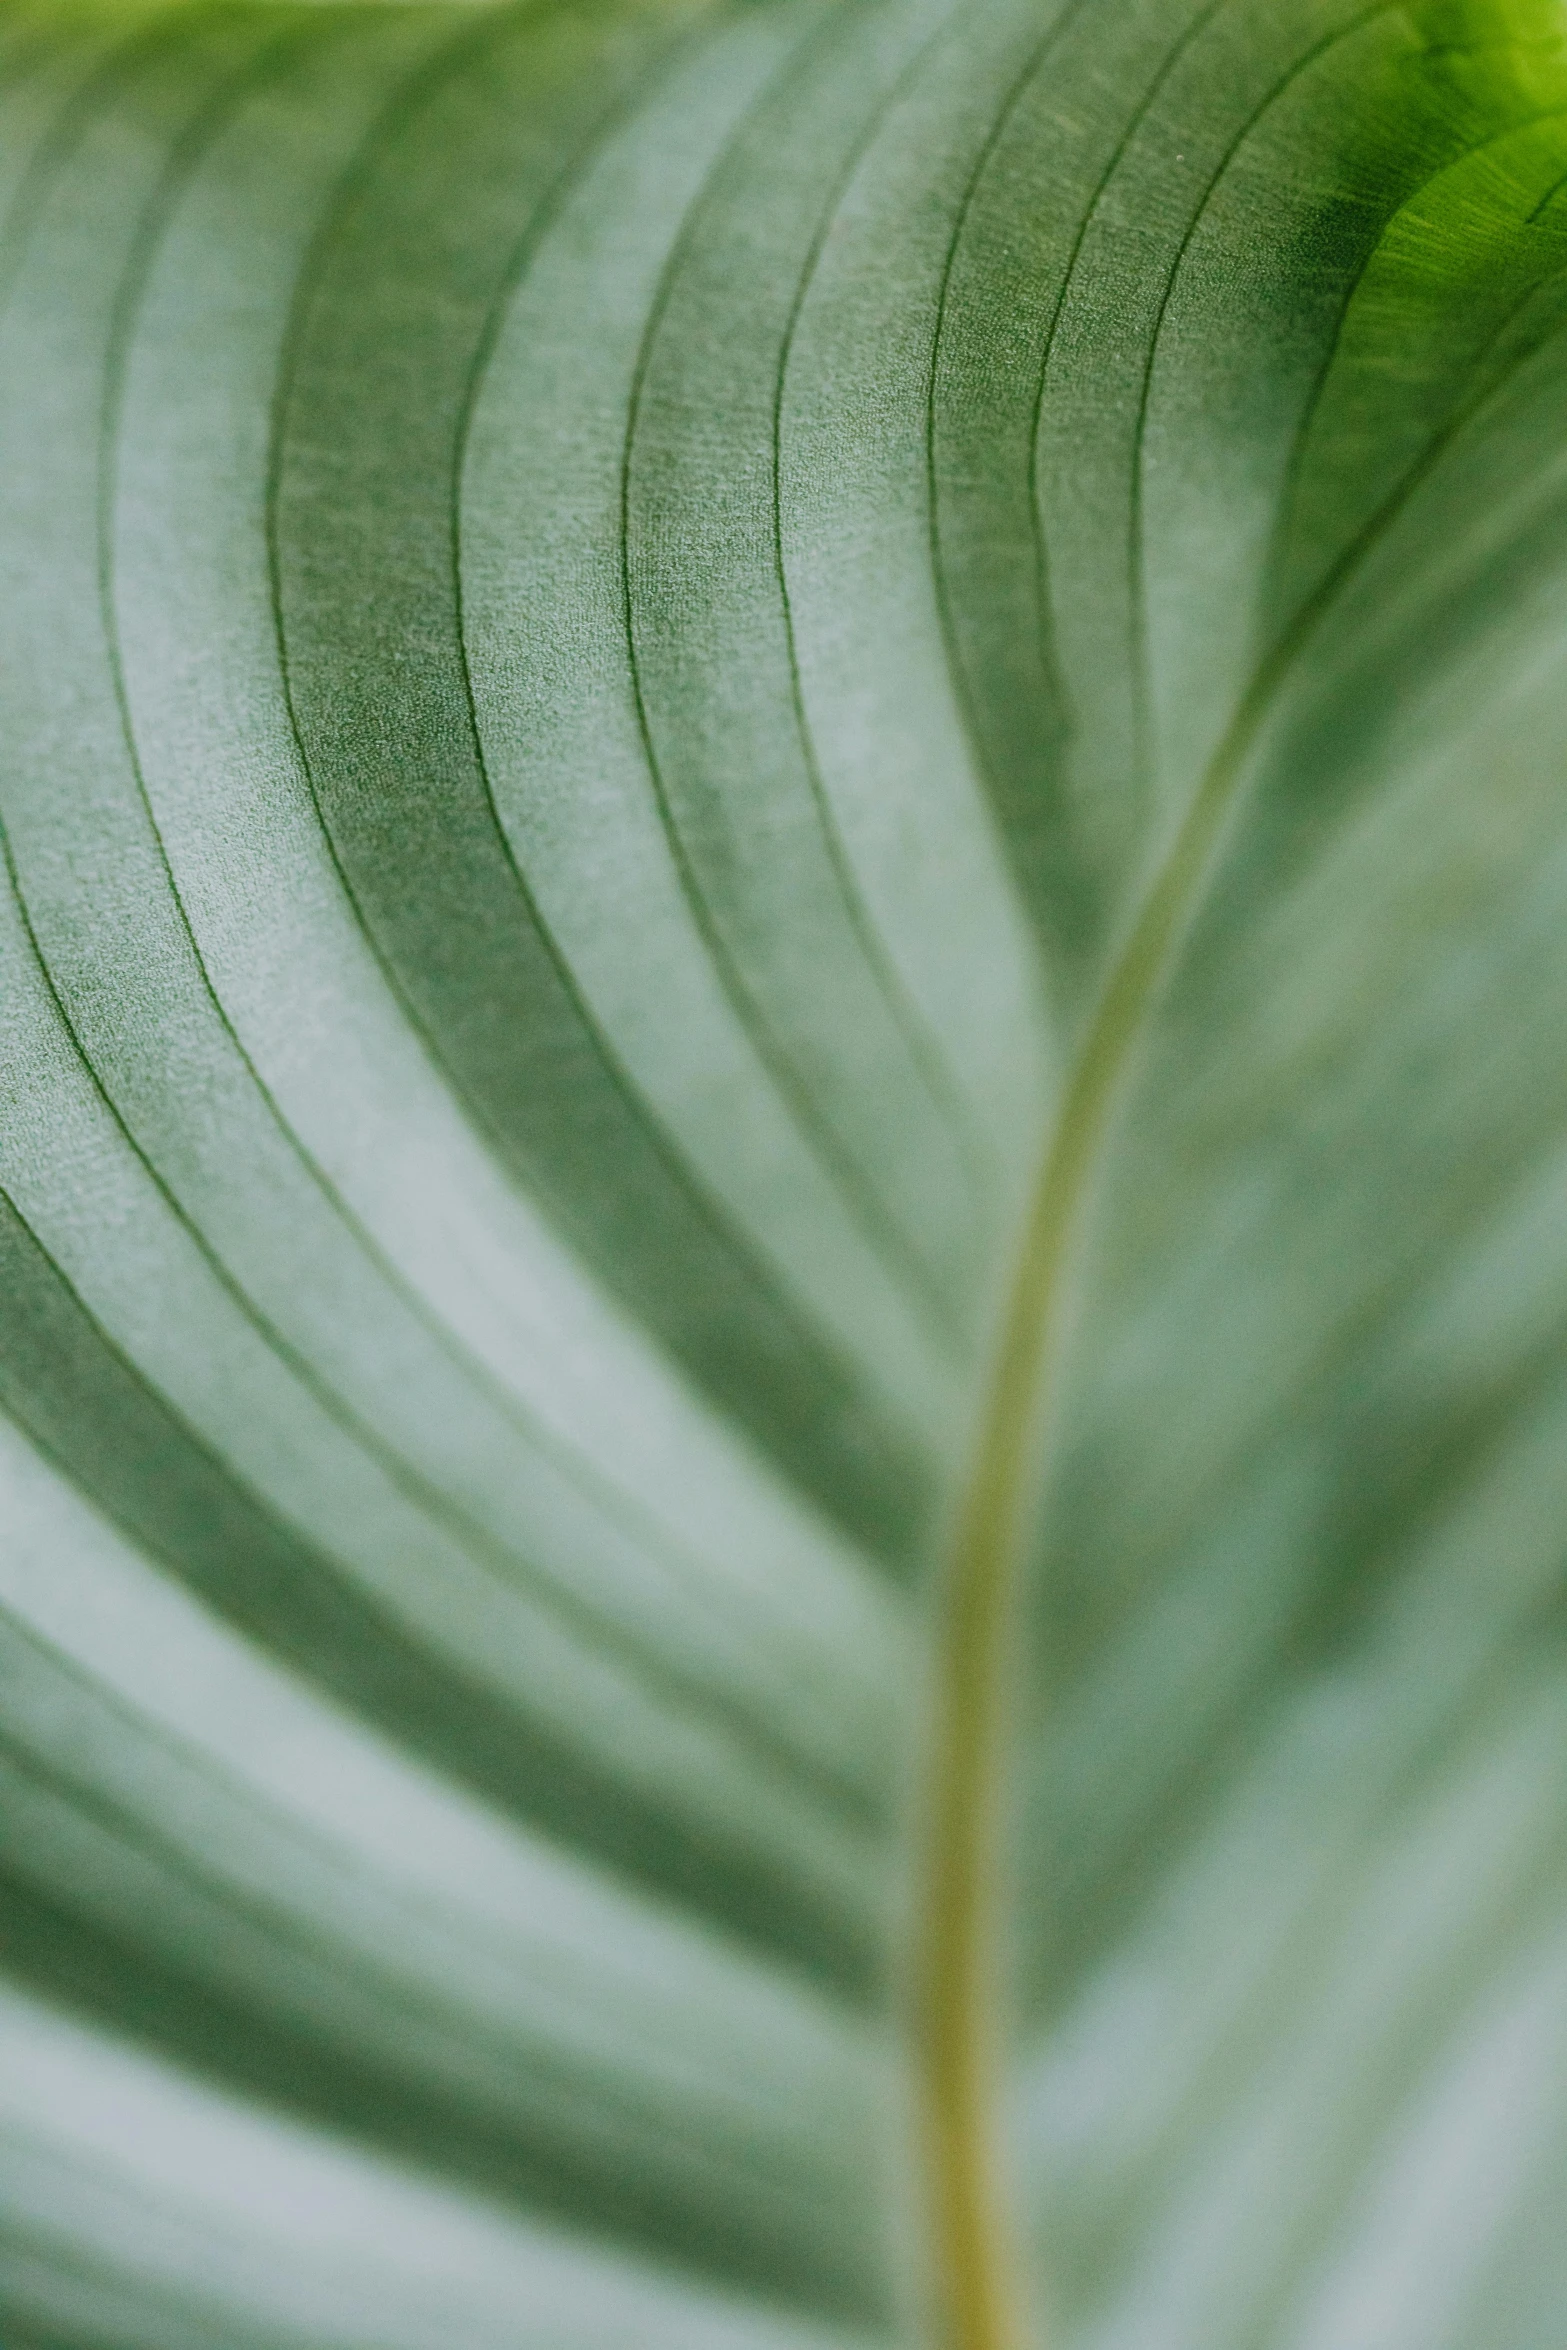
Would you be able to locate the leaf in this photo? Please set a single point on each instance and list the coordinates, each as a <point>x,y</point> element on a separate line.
<point>780,1176</point>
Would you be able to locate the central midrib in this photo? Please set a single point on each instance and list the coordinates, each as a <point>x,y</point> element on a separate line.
<point>979,2286</point>
<point>978,2276</point>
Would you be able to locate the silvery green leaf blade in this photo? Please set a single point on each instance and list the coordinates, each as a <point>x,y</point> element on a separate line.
<point>780,1206</point>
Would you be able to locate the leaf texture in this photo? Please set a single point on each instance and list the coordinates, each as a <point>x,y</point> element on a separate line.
<point>649,650</point>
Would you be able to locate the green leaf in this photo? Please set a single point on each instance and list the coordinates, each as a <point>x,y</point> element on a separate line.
<point>781,1223</point>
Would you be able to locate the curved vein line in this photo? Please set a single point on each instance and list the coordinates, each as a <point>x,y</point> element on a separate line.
<point>1188,38</point>
<point>879,1226</point>
<point>818,1348</point>
<point>341,1414</point>
<point>514,1575</point>
<point>1016,93</point>
<point>581,1469</point>
<point>839,1796</point>
<point>381,1665</point>
<point>503,1567</point>
<point>515,275</point>
<point>567,2168</point>
<point>1364,544</point>
<point>1403,1289</point>
<point>515,1568</point>
<point>523,254</point>
<point>921,1046</point>
<point>1290,494</point>
<point>924,1048</point>
<point>294,1926</point>
<point>1552,192</point>
<point>73,120</point>
<point>1135,534</point>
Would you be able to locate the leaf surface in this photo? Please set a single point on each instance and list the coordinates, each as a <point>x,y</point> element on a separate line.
<point>780,1173</point>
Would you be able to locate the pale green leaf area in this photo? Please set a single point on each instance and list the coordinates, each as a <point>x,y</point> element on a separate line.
<point>783,1175</point>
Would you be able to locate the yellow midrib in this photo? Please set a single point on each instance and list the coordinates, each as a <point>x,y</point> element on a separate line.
<point>978,2276</point>
<point>979,2289</point>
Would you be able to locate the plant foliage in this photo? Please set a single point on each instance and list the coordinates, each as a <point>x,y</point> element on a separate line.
<point>782,982</point>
